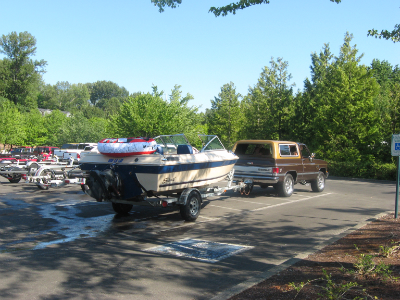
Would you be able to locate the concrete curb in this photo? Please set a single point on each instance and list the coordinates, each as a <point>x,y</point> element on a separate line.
<point>228,293</point>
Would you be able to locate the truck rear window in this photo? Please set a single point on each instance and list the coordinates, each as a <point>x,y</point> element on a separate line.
<point>253,149</point>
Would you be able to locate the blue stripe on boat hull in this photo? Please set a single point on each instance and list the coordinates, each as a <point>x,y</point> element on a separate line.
<point>137,168</point>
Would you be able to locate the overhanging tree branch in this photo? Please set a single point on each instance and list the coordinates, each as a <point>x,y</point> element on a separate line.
<point>162,3</point>
<point>242,4</point>
<point>393,35</point>
<point>217,11</point>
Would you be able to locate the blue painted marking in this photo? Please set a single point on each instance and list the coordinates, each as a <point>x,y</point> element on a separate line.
<point>199,249</point>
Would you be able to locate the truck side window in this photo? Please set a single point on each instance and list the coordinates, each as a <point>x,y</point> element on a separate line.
<point>288,150</point>
<point>293,151</point>
<point>284,150</point>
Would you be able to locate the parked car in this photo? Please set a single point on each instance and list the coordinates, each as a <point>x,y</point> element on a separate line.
<point>22,151</point>
<point>280,164</point>
<point>69,151</point>
<point>89,149</point>
<point>40,150</point>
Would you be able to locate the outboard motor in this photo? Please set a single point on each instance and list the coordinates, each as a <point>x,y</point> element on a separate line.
<point>104,185</point>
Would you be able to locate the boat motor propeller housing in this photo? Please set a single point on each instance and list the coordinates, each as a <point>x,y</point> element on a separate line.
<point>104,185</point>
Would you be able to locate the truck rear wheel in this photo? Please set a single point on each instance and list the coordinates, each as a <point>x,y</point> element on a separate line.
<point>318,185</point>
<point>191,210</point>
<point>285,188</point>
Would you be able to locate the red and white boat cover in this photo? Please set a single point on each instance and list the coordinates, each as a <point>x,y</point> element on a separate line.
<point>122,147</point>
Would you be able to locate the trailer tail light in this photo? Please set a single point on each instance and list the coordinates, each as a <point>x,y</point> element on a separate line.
<point>164,204</point>
<point>275,170</point>
<point>67,181</point>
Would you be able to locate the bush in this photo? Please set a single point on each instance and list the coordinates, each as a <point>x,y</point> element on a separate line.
<point>363,169</point>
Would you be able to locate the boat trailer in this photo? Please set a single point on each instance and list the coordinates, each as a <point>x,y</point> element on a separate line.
<point>189,200</point>
<point>44,175</point>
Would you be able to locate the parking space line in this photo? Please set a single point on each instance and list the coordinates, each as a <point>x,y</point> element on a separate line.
<point>226,207</point>
<point>281,204</point>
<point>245,201</point>
<point>210,219</point>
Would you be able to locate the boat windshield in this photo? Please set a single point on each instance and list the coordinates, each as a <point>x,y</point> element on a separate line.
<point>171,142</point>
<point>210,142</point>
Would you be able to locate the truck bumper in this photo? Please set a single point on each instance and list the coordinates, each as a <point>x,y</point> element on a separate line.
<point>257,179</point>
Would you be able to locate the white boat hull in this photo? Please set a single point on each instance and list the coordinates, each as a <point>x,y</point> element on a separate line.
<point>155,174</point>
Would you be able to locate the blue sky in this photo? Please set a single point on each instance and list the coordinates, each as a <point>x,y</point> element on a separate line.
<point>130,43</point>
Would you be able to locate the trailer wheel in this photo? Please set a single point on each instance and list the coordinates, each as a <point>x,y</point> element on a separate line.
<point>14,178</point>
<point>33,168</point>
<point>84,187</point>
<point>43,187</point>
<point>122,208</point>
<point>247,189</point>
<point>191,210</point>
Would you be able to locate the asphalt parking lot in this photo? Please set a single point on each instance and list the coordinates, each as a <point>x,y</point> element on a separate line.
<point>61,244</point>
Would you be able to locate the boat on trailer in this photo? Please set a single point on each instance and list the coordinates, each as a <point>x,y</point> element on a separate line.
<point>175,170</point>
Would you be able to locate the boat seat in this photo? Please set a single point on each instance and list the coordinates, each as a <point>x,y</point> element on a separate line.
<point>184,149</point>
<point>160,150</point>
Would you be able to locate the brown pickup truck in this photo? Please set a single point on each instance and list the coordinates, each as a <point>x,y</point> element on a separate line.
<point>280,164</point>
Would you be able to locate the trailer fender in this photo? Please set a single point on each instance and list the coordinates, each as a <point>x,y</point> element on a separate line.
<point>184,196</point>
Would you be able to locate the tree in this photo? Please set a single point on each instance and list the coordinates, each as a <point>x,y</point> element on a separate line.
<point>387,104</point>
<point>12,131</point>
<point>217,11</point>
<point>78,129</point>
<point>55,122</point>
<point>101,90</point>
<point>48,97</point>
<point>64,96</point>
<point>268,106</point>
<point>306,103</point>
<point>150,115</point>
<point>110,106</point>
<point>343,123</point>
<point>394,35</point>
<point>226,118</point>
<point>20,74</point>
<point>176,95</point>
<point>93,112</point>
<point>35,131</point>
